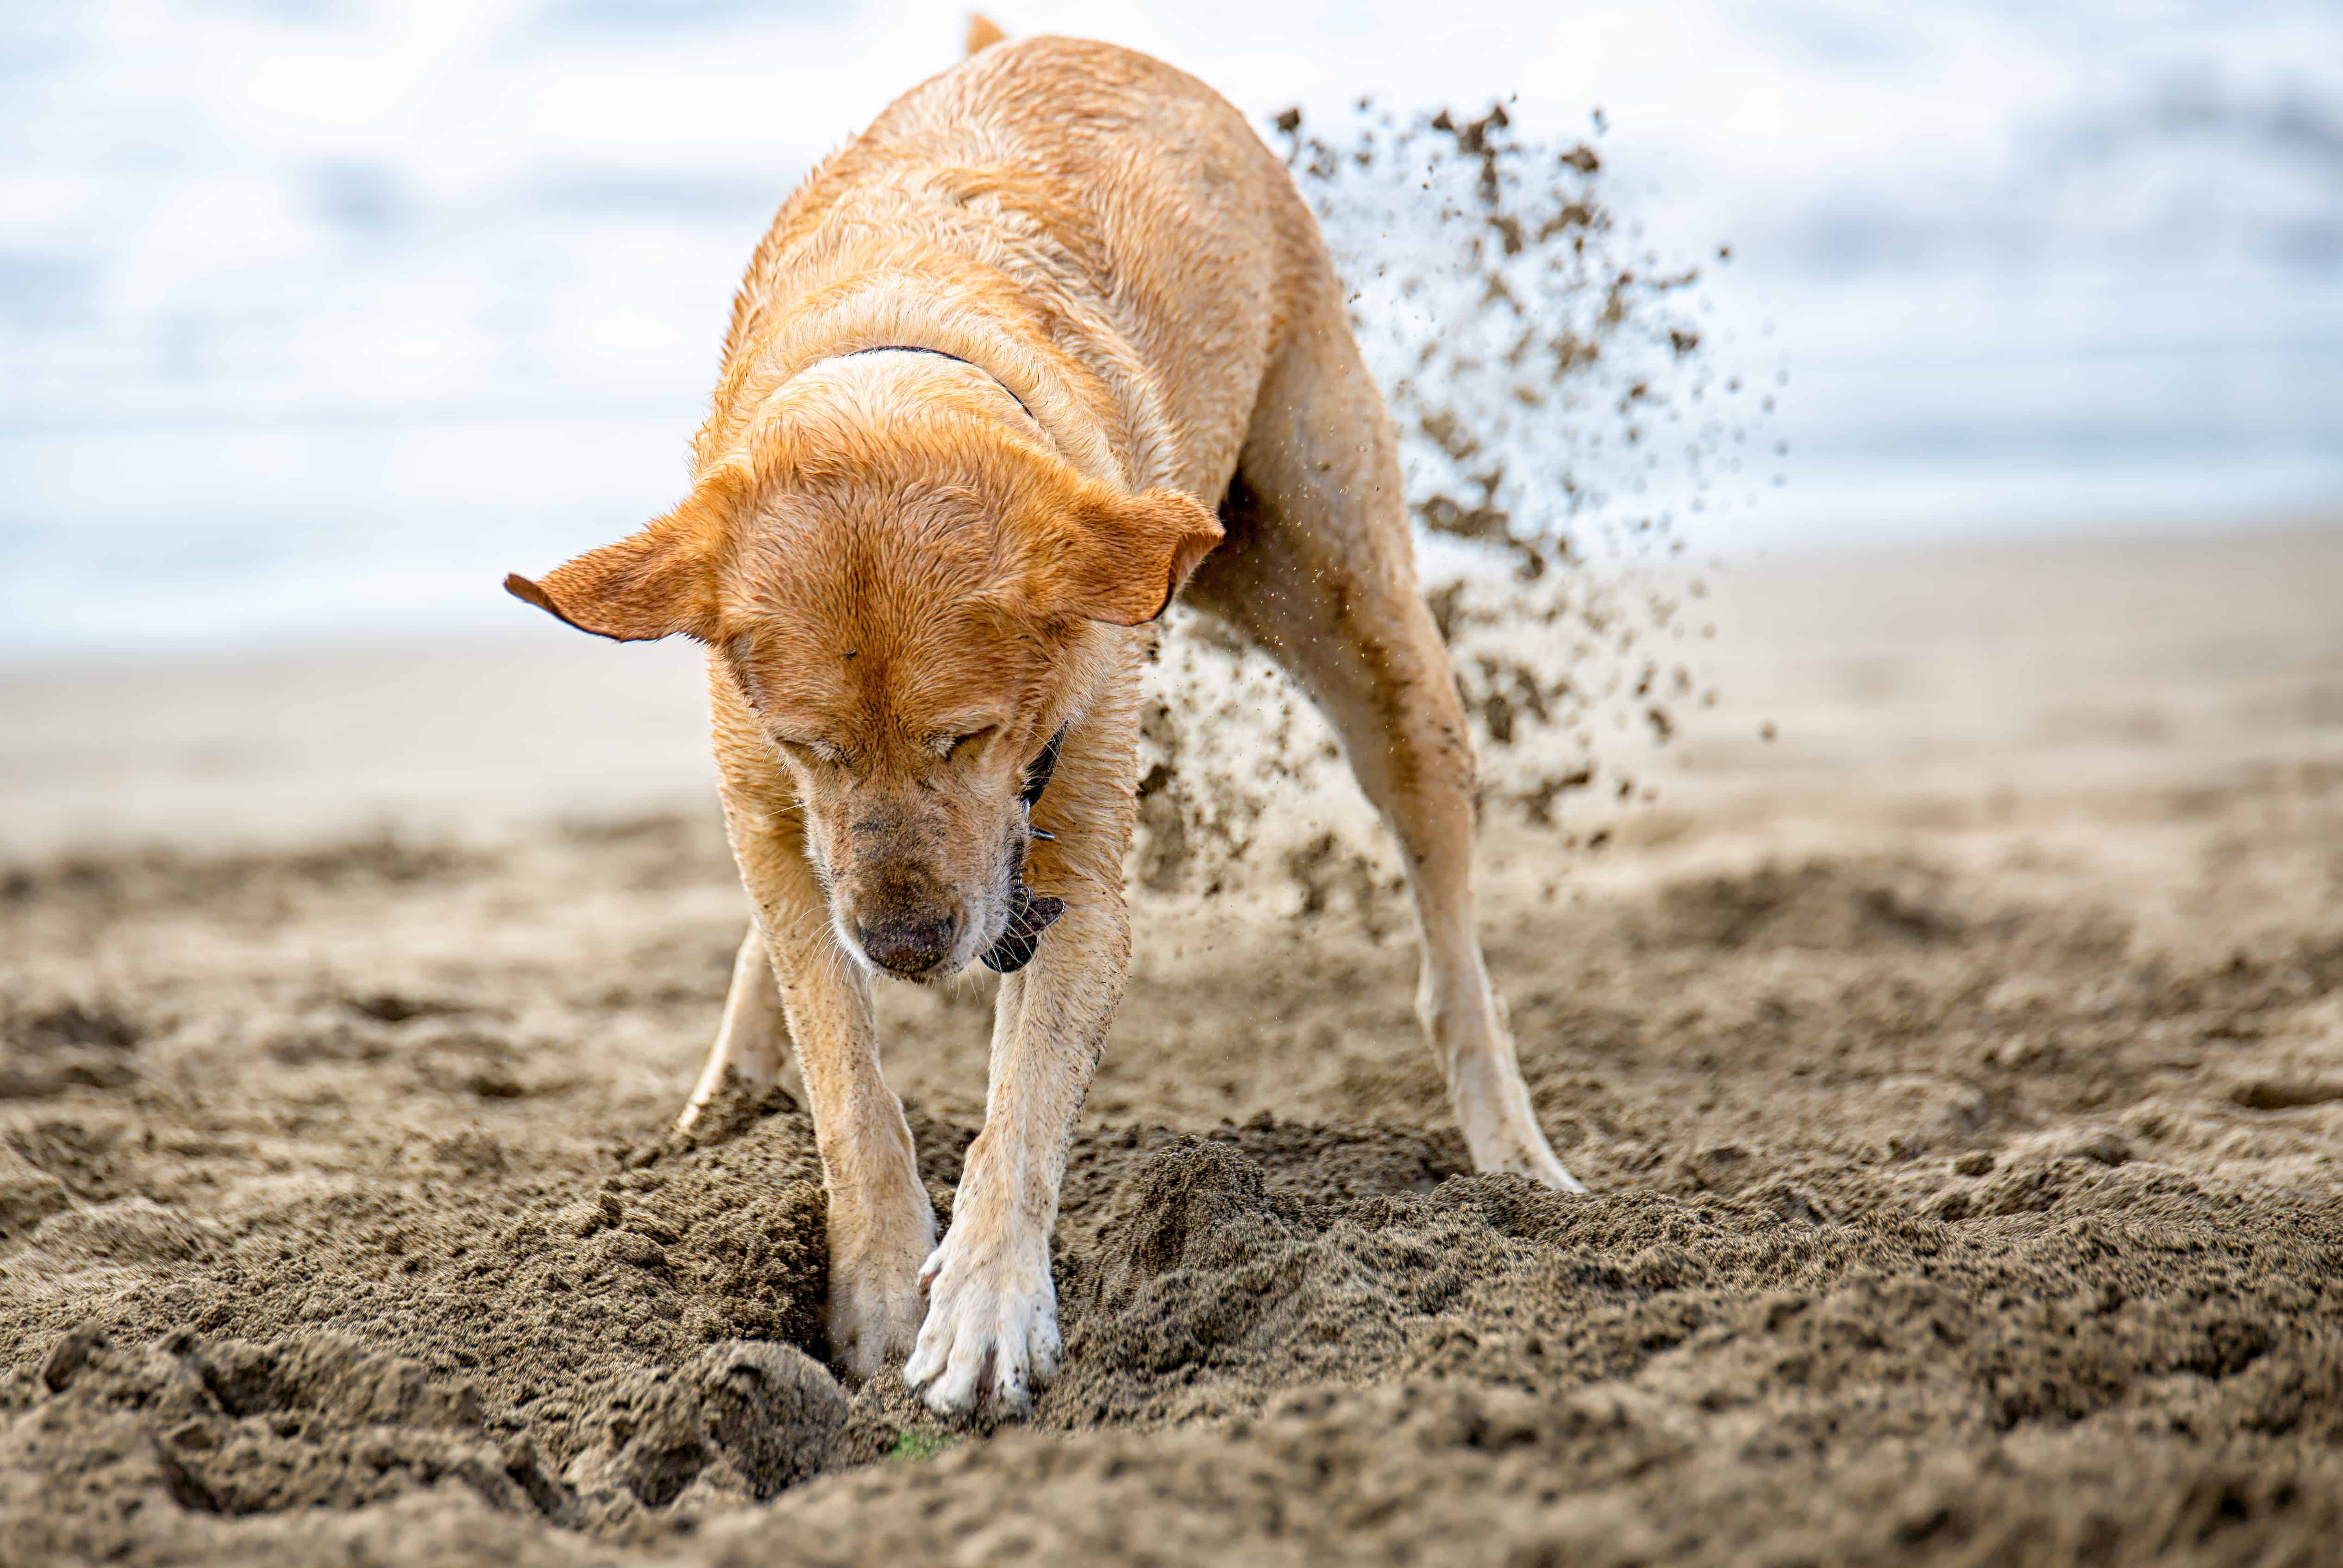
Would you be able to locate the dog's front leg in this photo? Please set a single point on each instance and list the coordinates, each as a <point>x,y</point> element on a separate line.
<point>991,1328</point>
<point>879,1220</point>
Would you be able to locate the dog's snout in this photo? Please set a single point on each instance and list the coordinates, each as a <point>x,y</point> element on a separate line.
<point>907,946</point>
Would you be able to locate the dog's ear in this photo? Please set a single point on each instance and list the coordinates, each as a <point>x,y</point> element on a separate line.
<point>1123,557</point>
<point>651,584</point>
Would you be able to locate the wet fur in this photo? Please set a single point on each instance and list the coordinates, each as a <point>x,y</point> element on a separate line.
<point>1137,346</point>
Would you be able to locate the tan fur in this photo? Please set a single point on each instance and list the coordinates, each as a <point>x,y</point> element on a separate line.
<point>911,570</point>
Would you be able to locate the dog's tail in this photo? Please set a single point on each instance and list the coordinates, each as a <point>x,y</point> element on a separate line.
<point>983,33</point>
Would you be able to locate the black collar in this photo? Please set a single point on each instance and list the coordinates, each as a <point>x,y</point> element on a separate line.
<point>916,348</point>
<point>1038,771</point>
<point>1029,916</point>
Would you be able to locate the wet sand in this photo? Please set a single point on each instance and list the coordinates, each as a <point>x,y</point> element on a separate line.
<point>1959,1074</point>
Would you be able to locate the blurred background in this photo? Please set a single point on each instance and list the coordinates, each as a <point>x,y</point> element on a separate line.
<point>317,316</point>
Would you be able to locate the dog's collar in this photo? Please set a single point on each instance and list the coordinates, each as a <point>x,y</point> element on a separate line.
<point>919,349</point>
<point>1029,916</point>
<point>1038,771</point>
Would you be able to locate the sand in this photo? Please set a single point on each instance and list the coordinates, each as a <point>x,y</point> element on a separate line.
<point>1959,1076</point>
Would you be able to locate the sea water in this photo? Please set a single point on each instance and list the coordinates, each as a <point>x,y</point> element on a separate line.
<point>317,318</point>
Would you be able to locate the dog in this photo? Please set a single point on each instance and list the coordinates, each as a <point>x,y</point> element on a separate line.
<point>1052,342</point>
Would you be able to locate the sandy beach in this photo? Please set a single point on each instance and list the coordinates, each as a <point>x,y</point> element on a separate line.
<point>1953,1046</point>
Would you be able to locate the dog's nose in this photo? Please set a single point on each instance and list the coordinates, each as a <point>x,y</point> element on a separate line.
<point>908,947</point>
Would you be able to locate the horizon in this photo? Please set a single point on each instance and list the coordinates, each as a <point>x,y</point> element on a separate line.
<point>319,320</point>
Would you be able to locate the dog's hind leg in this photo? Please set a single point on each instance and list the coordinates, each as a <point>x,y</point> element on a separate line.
<point>752,1042</point>
<point>1319,569</point>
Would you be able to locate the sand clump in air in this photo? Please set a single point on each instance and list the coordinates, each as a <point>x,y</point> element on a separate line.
<point>1558,401</point>
<point>1959,1080</point>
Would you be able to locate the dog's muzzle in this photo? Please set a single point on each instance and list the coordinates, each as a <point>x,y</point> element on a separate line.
<point>1029,916</point>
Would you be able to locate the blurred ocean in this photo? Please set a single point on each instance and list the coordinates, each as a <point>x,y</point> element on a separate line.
<point>316,317</point>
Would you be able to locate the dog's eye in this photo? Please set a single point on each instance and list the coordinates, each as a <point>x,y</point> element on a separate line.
<point>820,751</point>
<point>949,746</point>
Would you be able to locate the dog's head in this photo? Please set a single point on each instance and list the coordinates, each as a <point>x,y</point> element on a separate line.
<point>911,594</point>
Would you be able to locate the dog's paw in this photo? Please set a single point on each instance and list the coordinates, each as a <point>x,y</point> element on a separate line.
<point>1525,1155</point>
<point>1501,1129</point>
<point>990,1336</point>
<point>1502,1133</point>
<point>873,1322</point>
<point>875,1307</point>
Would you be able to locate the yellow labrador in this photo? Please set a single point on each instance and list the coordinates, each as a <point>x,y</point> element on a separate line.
<point>1052,339</point>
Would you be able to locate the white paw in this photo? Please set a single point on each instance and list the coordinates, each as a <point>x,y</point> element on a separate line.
<point>1499,1128</point>
<point>1513,1144</point>
<point>991,1332</point>
<point>1531,1158</point>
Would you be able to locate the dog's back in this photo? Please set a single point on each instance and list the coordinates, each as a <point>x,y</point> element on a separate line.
<point>1114,218</point>
<point>1051,342</point>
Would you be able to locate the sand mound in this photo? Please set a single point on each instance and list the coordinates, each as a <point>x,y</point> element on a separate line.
<point>1964,1192</point>
<point>1338,1328</point>
<point>1992,1264</point>
<point>114,1449</point>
